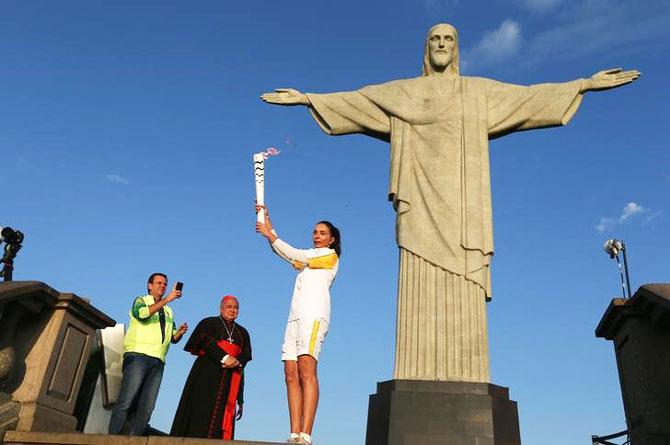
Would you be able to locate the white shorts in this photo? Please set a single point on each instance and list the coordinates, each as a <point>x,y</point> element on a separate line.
<point>304,337</point>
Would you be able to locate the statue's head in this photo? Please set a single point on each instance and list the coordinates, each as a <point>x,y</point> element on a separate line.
<point>440,54</point>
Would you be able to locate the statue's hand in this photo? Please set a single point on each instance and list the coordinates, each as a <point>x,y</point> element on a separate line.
<point>285,96</point>
<point>612,78</point>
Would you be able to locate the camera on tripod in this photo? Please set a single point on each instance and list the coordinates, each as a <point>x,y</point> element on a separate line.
<point>12,239</point>
<point>10,236</point>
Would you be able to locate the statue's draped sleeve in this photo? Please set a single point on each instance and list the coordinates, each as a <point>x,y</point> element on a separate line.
<point>516,108</point>
<point>349,112</point>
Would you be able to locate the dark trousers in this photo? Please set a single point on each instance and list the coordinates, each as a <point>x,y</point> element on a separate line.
<point>142,376</point>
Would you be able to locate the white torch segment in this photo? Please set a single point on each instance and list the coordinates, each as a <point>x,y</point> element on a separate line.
<point>259,174</point>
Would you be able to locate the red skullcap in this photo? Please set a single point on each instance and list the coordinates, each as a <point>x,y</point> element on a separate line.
<point>230,297</point>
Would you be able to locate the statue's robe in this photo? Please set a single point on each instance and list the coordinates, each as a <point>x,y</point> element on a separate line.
<point>439,128</point>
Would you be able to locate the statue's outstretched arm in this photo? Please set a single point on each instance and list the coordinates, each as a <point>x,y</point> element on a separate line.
<point>611,78</point>
<point>285,96</point>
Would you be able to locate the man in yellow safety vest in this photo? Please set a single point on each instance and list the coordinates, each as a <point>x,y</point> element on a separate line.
<point>150,331</point>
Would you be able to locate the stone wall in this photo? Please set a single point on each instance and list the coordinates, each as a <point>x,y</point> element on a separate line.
<point>45,343</point>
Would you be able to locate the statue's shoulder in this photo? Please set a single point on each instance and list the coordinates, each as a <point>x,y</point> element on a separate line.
<point>397,83</point>
<point>478,81</point>
<point>392,88</point>
<point>408,80</point>
<point>414,81</point>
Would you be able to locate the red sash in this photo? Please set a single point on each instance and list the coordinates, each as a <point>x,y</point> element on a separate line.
<point>236,377</point>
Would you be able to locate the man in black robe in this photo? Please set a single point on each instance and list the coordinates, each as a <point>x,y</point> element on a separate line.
<point>207,407</point>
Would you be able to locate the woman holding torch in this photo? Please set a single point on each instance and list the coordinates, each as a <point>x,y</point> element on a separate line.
<point>308,318</point>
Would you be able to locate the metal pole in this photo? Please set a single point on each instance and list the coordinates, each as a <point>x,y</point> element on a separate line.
<point>7,270</point>
<point>625,265</point>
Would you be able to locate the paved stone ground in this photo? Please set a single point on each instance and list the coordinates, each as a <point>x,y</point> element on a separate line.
<point>37,438</point>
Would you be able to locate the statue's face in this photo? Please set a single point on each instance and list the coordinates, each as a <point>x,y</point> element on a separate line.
<point>441,44</point>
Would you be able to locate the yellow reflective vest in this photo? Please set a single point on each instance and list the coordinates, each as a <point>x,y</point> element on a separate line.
<point>144,334</point>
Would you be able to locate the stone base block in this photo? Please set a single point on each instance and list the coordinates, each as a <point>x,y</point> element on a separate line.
<point>36,417</point>
<point>418,412</point>
<point>9,415</point>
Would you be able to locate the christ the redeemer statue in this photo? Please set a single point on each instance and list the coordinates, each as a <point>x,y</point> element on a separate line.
<point>439,126</point>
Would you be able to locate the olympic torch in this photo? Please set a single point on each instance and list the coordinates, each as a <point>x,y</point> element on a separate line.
<point>259,174</point>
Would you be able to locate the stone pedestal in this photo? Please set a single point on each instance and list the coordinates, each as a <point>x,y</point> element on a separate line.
<point>50,335</point>
<point>418,412</point>
<point>640,330</point>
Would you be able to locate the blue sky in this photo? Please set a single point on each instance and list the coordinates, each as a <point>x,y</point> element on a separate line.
<point>127,130</point>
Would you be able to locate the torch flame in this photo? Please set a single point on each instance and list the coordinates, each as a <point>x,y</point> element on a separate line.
<point>271,151</point>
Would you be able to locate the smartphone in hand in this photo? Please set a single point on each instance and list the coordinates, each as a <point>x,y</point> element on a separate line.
<point>179,285</point>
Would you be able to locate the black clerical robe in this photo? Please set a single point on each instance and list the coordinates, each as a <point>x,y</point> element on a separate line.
<point>207,405</point>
